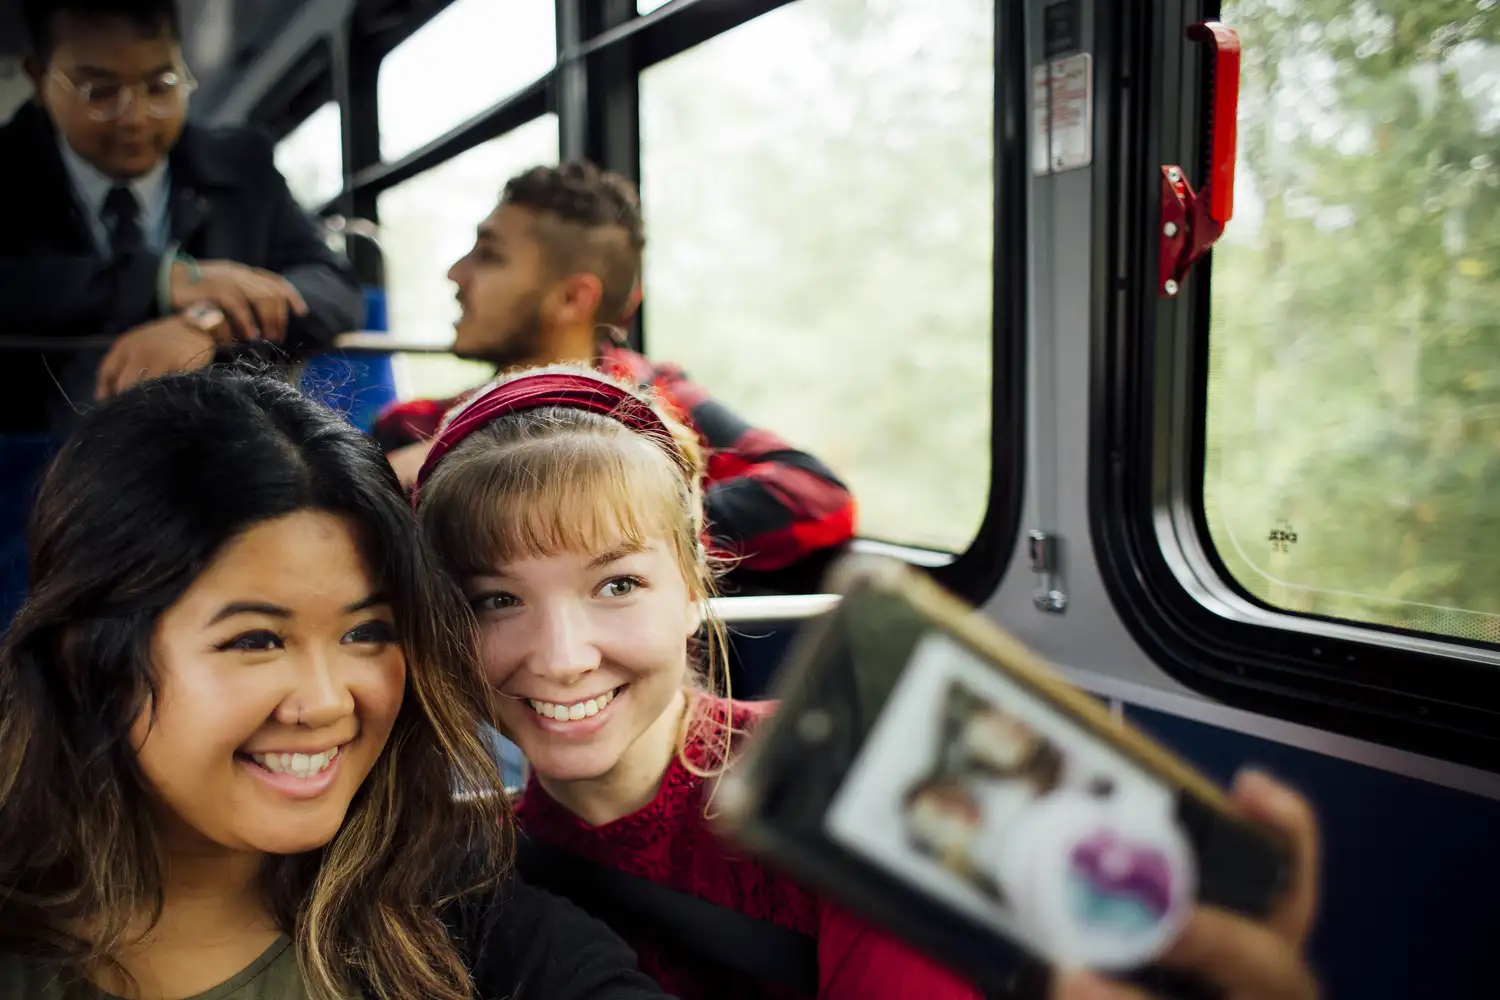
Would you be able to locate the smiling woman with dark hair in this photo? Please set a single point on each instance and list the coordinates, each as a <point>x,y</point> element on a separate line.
<point>236,705</point>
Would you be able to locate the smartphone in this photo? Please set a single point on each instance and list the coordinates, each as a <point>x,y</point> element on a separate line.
<point>928,771</point>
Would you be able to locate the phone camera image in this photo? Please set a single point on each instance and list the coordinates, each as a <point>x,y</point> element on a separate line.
<point>977,791</point>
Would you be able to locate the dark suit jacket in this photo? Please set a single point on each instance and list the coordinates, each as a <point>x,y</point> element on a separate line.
<point>228,201</point>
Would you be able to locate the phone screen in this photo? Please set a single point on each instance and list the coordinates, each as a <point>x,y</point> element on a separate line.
<point>974,789</point>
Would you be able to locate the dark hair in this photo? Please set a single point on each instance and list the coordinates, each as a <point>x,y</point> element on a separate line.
<point>596,226</point>
<point>146,16</point>
<point>135,506</point>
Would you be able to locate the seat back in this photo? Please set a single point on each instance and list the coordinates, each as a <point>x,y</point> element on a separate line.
<point>362,385</point>
<point>358,386</point>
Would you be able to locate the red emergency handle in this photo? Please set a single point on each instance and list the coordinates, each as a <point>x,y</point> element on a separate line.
<point>1191,222</point>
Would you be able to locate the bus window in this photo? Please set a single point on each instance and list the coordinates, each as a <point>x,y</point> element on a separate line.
<point>472,54</point>
<point>311,157</point>
<point>426,224</point>
<point>1353,426</point>
<point>818,188</point>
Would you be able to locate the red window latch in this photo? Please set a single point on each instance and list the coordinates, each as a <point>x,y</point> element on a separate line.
<point>1191,222</point>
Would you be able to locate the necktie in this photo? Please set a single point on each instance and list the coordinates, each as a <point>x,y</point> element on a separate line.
<point>122,217</point>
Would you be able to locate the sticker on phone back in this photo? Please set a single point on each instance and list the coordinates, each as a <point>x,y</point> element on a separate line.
<point>976,791</point>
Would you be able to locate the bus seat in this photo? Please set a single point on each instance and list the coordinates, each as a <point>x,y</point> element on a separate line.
<point>361,386</point>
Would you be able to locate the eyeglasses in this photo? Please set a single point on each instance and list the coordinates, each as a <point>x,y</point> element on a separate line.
<point>162,95</point>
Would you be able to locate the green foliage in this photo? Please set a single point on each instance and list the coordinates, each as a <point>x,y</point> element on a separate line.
<point>1355,347</point>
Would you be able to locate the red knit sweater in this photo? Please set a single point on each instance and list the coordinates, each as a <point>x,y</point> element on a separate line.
<point>670,843</point>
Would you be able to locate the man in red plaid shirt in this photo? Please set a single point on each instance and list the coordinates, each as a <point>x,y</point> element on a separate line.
<point>558,260</point>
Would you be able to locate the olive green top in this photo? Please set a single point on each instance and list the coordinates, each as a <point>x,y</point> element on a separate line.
<point>272,976</point>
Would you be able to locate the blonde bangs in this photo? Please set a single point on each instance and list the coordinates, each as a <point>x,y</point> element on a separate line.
<point>579,494</point>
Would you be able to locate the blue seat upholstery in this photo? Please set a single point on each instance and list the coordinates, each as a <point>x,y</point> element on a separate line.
<point>359,387</point>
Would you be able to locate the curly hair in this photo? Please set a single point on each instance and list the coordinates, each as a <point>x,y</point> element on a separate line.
<point>589,221</point>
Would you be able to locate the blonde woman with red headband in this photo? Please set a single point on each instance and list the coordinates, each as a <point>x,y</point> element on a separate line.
<point>570,509</point>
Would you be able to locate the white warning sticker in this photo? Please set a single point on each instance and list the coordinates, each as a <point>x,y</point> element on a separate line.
<point>1062,115</point>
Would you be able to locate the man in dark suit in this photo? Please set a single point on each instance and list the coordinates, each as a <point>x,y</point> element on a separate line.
<point>127,222</point>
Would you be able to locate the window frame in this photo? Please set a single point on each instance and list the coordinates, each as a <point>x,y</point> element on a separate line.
<point>594,89</point>
<point>319,77</point>
<point>1416,691</point>
<point>299,93</point>
<point>974,573</point>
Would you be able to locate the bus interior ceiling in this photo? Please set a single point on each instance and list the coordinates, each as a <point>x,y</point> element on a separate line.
<point>1409,826</point>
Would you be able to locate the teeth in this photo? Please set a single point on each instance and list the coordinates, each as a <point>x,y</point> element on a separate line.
<point>298,765</point>
<point>571,713</point>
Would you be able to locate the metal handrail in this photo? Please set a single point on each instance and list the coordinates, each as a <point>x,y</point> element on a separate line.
<point>375,342</point>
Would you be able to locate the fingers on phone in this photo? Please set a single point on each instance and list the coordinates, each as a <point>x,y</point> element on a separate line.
<point>1088,986</point>
<point>1264,799</point>
<point>1245,958</point>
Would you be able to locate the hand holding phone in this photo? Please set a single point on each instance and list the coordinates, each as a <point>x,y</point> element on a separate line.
<point>1243,959</point>
<point>930,772</point>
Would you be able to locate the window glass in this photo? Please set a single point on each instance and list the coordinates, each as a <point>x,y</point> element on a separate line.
<point>311,157</point>
<point>467,58</point>
<point>647,6</point>
<point>426,225</point>
<point>1353,438</point>
<point>818,193</point>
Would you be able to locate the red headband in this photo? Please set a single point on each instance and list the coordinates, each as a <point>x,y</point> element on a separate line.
<point>528,392</point>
